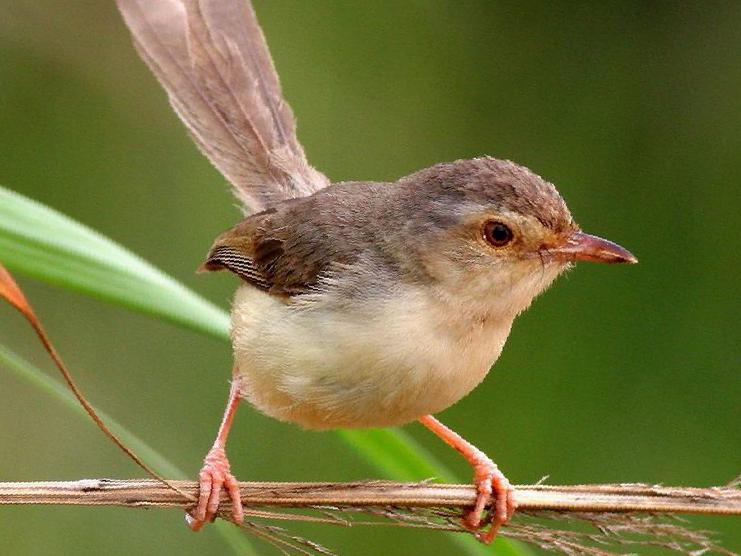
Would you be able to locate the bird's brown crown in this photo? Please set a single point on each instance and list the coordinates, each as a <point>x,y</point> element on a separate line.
<point>491,182</point>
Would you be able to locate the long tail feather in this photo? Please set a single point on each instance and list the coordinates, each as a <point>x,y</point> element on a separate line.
<point>212,59</point>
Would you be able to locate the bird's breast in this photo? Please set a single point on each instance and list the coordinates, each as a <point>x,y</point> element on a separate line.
<point>368,363</point>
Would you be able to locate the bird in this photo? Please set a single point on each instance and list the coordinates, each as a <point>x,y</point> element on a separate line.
<point>360,304</point>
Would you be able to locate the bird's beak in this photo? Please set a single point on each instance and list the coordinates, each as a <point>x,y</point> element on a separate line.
<point>584,247</point>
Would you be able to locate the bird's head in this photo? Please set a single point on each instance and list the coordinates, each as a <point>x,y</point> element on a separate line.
<point>494,233</point>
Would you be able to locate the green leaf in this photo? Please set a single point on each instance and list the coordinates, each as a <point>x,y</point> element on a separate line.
<point>47,245</point>
<point>397,454</point>
<point>40,380</point>
<point>43,243</point>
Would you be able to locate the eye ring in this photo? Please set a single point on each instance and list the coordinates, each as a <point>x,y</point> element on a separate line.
<point>497,233</point>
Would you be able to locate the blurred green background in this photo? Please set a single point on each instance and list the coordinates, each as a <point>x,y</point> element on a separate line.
<point>618,374</point>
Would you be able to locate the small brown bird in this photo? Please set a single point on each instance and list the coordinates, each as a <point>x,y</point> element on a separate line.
<point>361,304</point>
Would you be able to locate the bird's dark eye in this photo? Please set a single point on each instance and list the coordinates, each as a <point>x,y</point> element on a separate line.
<point>497,234</point>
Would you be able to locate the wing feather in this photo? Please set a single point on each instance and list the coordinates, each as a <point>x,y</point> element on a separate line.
<point>239,263</point>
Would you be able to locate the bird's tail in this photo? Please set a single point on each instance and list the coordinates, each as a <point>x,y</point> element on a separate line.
<point>212,59</point>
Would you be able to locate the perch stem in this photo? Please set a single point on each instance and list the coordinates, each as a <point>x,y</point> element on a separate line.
<point>577,498</point>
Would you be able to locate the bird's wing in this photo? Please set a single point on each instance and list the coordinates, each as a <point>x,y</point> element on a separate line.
<point>212,59</point>
<point>280,259</point>
<point>240,262</point>
<point>263,262</point>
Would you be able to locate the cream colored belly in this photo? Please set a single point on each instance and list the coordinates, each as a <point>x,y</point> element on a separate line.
<point>374,366</point>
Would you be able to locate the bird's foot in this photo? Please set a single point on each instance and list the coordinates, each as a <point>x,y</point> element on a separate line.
<point>489,480</point>
<point>215,474</point>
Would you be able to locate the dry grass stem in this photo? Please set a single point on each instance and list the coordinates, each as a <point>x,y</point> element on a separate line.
<point>580,520</point>
<point>577,498</point>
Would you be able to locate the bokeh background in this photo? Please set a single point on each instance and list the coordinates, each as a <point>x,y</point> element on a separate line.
<point>617,374</point>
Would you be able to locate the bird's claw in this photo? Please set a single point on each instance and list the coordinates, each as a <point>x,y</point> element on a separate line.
<point>490,480</point>
<point>215,475</point>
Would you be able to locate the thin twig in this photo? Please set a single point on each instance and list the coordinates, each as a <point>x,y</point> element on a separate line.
<point>12,293</point>
<point>617,517</point>
<point>532,498</point>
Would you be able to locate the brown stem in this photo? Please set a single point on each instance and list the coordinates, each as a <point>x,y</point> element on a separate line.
<point>12,293</point>
<point>578,498</point>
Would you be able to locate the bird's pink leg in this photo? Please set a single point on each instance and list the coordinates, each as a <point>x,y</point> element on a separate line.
<point>216,473</point>
<point>487,478</point>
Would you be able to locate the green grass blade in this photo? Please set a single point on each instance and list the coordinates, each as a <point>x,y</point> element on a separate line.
<point>48,245</point>
<point>43,243</point>
<point>397,454</point>
<point>40,380</point>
